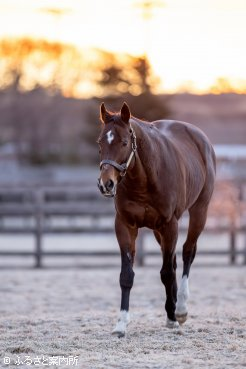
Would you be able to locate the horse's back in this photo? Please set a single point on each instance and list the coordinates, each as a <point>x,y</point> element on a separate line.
<point>185,136</point>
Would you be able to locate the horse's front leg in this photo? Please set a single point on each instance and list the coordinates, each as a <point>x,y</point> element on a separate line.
<point>168,238</point>
<point>126,237</point>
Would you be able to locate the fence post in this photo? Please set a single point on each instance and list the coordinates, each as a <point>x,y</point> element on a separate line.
<point>233,244</point>
<point>39,227</point>
<point>244,251</point>
<point>140,248</point>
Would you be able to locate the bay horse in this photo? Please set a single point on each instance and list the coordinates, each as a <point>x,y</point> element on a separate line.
<point>155,171</point>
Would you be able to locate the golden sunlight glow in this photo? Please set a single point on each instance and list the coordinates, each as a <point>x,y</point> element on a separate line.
<point>191,44</point>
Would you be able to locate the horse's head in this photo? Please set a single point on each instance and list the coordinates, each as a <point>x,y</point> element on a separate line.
<point>117,145</point>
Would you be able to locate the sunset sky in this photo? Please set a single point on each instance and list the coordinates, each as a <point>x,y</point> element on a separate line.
<point>190,43</point>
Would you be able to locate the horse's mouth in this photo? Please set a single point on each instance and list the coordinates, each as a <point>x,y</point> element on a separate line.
<point>111,193</point>
<point>106,194</point>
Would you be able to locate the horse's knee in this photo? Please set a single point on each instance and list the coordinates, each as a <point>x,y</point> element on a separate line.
<point>167,275</point>
<point>127,278</point>
<point>127,273</point>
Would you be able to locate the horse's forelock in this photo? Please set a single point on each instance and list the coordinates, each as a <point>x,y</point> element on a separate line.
<point>117,119</point>
<point>114,118</point>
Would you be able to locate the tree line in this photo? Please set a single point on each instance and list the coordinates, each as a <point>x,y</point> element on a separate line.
<point>50,93</point>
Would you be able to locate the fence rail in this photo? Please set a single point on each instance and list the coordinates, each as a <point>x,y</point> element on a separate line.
<point>38,206</point>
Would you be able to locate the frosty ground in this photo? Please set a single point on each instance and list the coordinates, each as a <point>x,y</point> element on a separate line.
<point>71,312</point>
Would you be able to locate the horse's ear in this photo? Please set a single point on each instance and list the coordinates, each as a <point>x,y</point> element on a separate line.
<point>125,113</point>
<point>103,113</point>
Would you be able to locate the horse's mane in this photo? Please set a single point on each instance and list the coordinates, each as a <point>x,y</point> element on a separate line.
<point>137,120</point>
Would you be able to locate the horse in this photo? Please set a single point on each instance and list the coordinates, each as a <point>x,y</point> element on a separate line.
<point>155,171</point>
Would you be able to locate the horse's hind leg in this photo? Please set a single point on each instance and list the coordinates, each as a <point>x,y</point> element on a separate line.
<point>198,216</point>
<point>167,237</point>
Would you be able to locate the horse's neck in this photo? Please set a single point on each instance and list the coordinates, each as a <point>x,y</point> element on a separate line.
<point>144,156</point>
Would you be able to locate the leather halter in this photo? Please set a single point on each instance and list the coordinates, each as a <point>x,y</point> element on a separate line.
<point>122,168</point>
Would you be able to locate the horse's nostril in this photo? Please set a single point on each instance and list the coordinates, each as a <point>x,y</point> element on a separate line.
<point>109,185</point>
<point>100,186</point>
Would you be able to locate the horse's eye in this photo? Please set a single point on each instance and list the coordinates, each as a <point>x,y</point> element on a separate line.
<point>124,142</point>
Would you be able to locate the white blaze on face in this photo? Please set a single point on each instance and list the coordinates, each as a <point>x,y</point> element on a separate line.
<point>110,137</point>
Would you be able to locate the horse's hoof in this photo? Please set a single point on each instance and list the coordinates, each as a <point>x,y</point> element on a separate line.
<point>119,334</point>
<point>172,323</point>
<point>181,318</point>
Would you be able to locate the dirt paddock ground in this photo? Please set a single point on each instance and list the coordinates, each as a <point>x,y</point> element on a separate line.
<point>70,313</point>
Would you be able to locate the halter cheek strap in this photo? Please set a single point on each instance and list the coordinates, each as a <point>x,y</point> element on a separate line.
<point>122,168</point>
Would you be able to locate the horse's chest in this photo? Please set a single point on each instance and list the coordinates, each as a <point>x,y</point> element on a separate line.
<point>152,218</point>
<point>142,215</point>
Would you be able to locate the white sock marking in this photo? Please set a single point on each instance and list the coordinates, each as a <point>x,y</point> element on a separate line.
<point>182,297</point>
<point>110,137</point>
<point>122,323</point>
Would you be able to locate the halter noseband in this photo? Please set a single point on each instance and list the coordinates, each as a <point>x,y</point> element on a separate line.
<point>122,168</point>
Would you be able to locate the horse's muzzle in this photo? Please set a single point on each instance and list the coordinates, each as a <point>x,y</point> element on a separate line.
<point>107,190</point>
